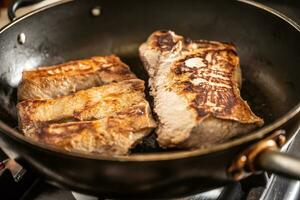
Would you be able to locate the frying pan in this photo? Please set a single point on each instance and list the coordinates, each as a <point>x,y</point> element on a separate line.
<point>268,44</point>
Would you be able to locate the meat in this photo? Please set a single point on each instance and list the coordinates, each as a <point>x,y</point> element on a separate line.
<point>84,120</point>
<point>114,134</point>
<point>93,103</point>
<point>196,89</point>
<point>63,79</point>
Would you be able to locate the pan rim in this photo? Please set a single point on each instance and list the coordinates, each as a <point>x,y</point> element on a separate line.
<point>255,135</point>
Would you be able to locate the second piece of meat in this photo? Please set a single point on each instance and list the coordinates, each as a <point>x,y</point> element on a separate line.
<point>195,85</point>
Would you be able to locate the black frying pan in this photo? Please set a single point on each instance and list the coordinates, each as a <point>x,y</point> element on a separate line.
<point>268,45</point>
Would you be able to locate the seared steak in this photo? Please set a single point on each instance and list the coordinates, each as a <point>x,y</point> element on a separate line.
<point>109,119</point>
<point>196,90</point>
<point>114,134</point>
<point>63,79</point>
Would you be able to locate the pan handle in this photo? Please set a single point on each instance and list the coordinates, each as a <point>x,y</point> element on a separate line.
<point>16,4</point>
<point>279,163</point>
<point>266,156</point>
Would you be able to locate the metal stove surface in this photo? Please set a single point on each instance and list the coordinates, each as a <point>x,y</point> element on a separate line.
<point>33,187</point>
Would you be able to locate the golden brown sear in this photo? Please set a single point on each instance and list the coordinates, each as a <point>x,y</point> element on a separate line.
<point>206,79</point>
<point>114,134</point>
<point>63,79</point>
<point>93,103</point>
<point>61,106</point>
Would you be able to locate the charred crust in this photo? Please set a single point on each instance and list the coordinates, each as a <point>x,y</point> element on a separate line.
<point>109,64</point>
<point>65,130</point>
<point>214,94</point>
<point>165,41</point>
<point>200,111</point>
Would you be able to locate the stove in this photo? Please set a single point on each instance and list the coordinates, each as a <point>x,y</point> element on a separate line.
<point>18,183</point>
<point>33,187</point>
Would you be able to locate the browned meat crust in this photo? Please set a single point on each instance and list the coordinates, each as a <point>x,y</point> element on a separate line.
<point>115,134</point>
<point>93,103</point>
<point>63,79</point>
<point>109,119</point>
<point>196,88</point>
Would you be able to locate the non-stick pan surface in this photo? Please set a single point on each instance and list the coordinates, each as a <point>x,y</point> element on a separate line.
<point>267,43</point>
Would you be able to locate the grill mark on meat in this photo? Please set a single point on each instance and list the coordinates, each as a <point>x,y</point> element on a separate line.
<point>128,91</point>
<point>73,128</point>
<point>124,125</point>
<point>60,134</point>
<point>209,80</point>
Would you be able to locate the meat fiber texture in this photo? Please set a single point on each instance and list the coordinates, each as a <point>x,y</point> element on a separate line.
<point>196,88</point>
<point>109,119</point>
<point>63,79</point>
